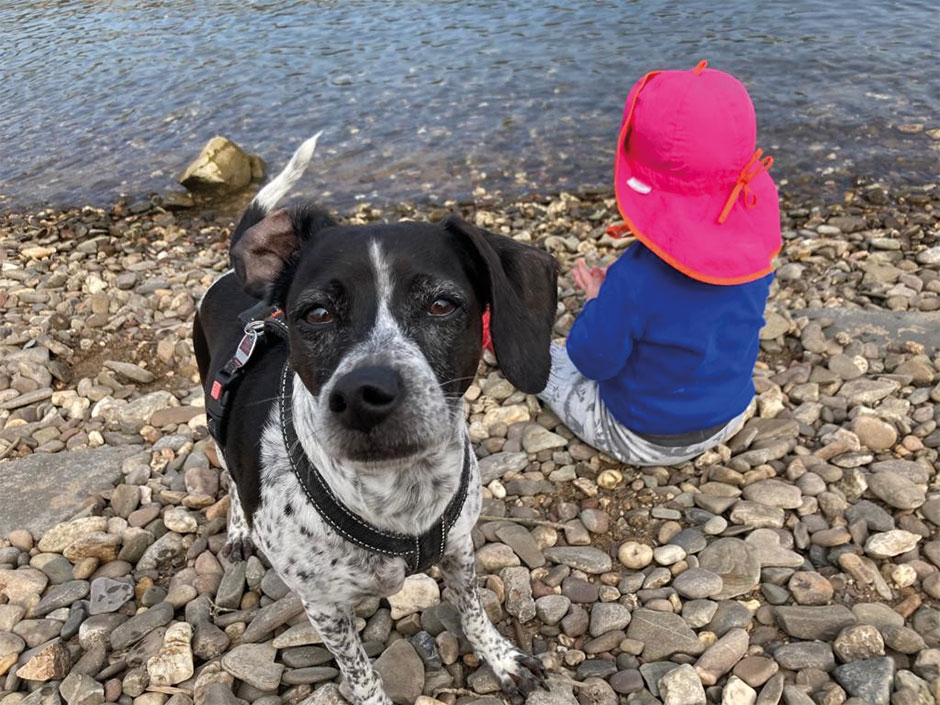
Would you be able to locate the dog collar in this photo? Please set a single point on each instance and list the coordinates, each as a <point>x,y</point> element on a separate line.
<point>419,551</point>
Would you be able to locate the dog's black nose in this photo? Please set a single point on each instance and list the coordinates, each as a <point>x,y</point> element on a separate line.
<point>366,396</point>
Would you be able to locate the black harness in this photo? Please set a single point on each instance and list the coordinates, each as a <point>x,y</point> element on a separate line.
<point>264,326</point>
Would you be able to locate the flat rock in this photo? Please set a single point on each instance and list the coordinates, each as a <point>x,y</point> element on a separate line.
<point>586,558</point>
<point>664,634</point>
<point>805,654</point>
<point>698,583</point>
<point>766,544</point>
<point>141,624</point>
<point>891,543</point>
<point>774,493</point>
<point>722,656</point>
<point>811,623</point>
<point>735,562</point>
<point>43,488</point>
<point>108,595</point>
<point>896,490</point>
<point>402,672</point>
<point>254,664</point>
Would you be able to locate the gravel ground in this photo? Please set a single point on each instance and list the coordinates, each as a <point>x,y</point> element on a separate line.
<point>798,562</point>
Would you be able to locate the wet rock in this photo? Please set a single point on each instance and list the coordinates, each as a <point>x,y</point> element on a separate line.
<point>221,167</point>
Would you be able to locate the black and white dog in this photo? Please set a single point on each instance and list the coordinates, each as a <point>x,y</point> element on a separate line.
<point>346,438</point>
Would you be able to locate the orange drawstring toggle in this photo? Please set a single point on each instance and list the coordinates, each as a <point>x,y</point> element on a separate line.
<point>699,67</point>
<point>751,170</point>
<point>618,231</point>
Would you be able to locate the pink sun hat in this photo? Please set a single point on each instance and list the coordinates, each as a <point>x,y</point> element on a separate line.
<point>690,184</point>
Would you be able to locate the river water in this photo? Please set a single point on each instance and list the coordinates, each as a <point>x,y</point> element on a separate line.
<point>431,100</point>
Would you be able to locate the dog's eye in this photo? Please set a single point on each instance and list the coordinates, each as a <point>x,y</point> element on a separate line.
<point>319,316</point>
<point>442,306</point>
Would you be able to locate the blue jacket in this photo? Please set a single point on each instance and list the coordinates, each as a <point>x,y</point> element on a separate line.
<point>671,354</point>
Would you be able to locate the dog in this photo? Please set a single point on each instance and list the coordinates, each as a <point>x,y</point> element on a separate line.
<point>356,401</point>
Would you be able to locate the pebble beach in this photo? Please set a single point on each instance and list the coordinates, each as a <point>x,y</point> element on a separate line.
<point>798,563</point>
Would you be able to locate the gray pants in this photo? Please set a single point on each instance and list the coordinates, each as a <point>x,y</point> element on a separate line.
<point>576,400</point>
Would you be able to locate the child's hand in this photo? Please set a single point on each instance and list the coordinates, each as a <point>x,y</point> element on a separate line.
<point>588,278</point>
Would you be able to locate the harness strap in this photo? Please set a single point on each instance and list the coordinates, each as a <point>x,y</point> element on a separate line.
<point>258,320</point>
<point>419,551</point>
<point>264,325</point>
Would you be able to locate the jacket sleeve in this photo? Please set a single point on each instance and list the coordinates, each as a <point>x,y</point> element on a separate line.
<point>601,338</point>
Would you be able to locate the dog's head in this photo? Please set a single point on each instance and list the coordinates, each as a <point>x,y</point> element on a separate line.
<point>385,322</point>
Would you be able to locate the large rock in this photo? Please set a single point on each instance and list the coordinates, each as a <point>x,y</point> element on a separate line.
<point>221,167</point>
<point>736,562</point>
<point>664,634</point>
<point>871,679</point>
<point>51,662</point>
<point>254,664</point>
<point>42,489</point>
<point>811,623</point>
<point>402,672</point>
<point>681,686</point>
<point>417,593</point>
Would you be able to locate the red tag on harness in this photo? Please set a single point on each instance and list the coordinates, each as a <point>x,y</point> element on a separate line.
<point>216,391</point>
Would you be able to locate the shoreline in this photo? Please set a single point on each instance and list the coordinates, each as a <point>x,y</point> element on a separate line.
<point>799,560</point>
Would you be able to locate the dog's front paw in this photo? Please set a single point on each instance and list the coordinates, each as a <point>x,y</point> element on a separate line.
<point>519,673</point>
<point>238,548</point>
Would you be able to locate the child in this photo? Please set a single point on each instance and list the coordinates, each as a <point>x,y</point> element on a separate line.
<point>658,366</point>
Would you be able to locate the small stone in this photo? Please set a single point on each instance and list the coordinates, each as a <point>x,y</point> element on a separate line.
<point>536,439</point>
<point>858,642</point>
<point>417,593</point>
<point>810,588</point>
<point>551,608</point>
<point>891,543</point>
<point>722,656</point>
<point>57,539</point>
<point>737,692</point>
<point>174,663</point>
<point>587,558</point>
<point>634,555</point>
<point>51,662</point>
<point>681,686</point>
<point>180,520</point>
<point>756,670</point>
<point>698,583</point>
<point>607,617</point>
<point>108,595</point>
<point>774,493</point>
<point>11,646</point>
<point>805,654</point>
<point>519,602</point>
<point>141,624</point>
<point>875,434</point>
<point>79,689</point>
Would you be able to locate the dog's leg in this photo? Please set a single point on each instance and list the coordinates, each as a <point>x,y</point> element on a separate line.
<point>337,628</point>
<point>518,672</point>
<point>238,546</point>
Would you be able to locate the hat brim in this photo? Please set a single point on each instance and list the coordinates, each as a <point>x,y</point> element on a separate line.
<point>683,229</point>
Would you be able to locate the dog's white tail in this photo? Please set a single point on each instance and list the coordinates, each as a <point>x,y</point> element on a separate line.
<point>275,190</point>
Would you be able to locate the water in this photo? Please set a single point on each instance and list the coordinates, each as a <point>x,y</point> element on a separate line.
<point>431,100</point>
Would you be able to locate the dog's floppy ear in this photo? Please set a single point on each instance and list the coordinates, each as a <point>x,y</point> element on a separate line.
<point>261,252</point>
<point>522,293</point>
